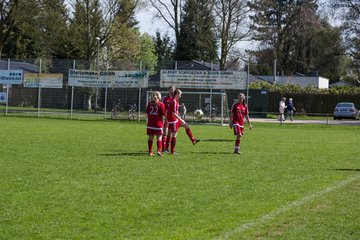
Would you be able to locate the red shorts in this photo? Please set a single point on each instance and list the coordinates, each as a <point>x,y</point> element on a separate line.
<point>154,131</point>
<point>238,129</point>
<point>174,126</point>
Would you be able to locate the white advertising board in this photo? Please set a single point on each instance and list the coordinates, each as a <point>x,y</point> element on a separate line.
<point>3,97</point>
<point>33,80</point>
<point>108,79</point>
<point>199,79</point>
<point>11,77</point>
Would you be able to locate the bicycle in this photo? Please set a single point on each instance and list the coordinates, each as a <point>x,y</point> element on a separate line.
<point>116,110</point>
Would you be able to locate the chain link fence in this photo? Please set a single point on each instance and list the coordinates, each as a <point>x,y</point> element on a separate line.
<point>130,103</point>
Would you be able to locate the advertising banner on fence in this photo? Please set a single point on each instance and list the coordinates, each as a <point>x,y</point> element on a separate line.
<point>11,77</point>
<point>108,79</point>
<point>3,97</point>
<point>33,80</point>
<point>199,79</point>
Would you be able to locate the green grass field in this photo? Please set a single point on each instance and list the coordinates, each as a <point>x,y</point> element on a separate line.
<point>63,179</point>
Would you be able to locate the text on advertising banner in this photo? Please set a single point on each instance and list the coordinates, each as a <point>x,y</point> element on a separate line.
<point>199,79</point>
<point>108,79</point>
<point>11,77</point>
<point>34,80</point>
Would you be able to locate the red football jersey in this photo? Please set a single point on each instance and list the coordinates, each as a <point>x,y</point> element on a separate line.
<point>155,113</point>
<point>173,108</point>
<point>239,111</point>
<point>166,101</point>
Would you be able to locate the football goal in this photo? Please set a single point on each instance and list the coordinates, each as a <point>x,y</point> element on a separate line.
<point>202,107</point>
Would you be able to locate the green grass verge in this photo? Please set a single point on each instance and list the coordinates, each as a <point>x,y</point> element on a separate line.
<point>63,179</point>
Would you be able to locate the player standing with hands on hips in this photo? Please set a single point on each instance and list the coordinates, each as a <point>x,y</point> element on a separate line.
<point>155,111</point>
<point>239,111</point>
<point>175,121</point>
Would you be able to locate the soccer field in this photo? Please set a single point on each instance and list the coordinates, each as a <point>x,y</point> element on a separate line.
<point>63,179</point>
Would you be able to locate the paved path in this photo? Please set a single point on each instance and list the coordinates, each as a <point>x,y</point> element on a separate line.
<point>321,122</point>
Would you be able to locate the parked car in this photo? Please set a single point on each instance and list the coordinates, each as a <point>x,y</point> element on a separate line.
<point>345,110</point>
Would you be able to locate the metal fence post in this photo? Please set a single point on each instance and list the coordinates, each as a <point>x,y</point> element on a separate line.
<point>72,96</point>
<point>7,92</point>
<point>222,109</point>
<point>106,92</point>
<point>105,103</point>
<point>39,91</point>
<point>139,101</point>
<point>210,110</point>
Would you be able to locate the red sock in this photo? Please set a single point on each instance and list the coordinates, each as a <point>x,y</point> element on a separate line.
<point>173,143</point>
<point>150,143</point>
<point>167,145</point>
<point>164,142</point>
<point>159,145</point>
<point>190,135</point>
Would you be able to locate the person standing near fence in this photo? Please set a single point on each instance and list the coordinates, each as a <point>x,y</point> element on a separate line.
<point>238,112</point>
<point>166,101</point>
<point>290,109</point>
<point>282,107</point>
<point>175,122</point>
<point>182,111</point>
<point>155,111</point>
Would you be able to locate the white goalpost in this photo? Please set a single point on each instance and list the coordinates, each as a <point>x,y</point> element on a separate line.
<point>213,104</point>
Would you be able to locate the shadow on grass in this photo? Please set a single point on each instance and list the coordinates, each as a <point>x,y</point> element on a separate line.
<point>217,140</point>
<point>121,153</point>
<point>347,169</point>
<point>213,153</point>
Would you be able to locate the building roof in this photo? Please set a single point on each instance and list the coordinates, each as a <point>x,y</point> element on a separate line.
<point>26,67</point>
<point>340,84</point>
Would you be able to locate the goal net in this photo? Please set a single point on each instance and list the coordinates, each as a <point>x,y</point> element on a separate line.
<point>201,107</point>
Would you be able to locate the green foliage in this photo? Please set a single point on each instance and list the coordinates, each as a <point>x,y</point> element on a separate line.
<point>164,47</point>
<point>292,33</point>
<point>85,27</point>
<point>124,45</point>
<point>197,38</point>
<point>147,53</point>
<point>63,179</point>
<point>291,88</point>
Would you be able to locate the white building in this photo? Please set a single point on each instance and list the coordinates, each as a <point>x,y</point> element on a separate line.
<point>319,82</point>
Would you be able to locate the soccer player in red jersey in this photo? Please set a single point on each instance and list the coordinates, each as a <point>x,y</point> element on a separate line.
<point>239,111</point>
<point>175,121</point>
<point>155,111</point>
<point>166,102</point>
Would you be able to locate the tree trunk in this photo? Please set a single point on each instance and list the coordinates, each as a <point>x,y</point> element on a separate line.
<point>89,103</point>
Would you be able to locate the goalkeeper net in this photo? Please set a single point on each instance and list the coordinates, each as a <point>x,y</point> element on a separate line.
<point>202,107</point>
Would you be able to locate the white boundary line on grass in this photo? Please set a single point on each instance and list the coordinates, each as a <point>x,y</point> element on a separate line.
<point>287,207</point>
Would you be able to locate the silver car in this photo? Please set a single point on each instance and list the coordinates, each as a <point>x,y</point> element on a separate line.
<point>345,110</point>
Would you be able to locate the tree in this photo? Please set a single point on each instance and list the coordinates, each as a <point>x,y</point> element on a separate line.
<point>147,54</point>
<point>86,28</point>
<point>164,47</point>
<point>350,17</point>
<point>231,25</point>
<point>292,33</point>
<point>17,18</point>
<point>170,11</point>
<point>53,29</point>
<point>197,38</point>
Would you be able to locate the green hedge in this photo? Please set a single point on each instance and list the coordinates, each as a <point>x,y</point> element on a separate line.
<point>291,88</point>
